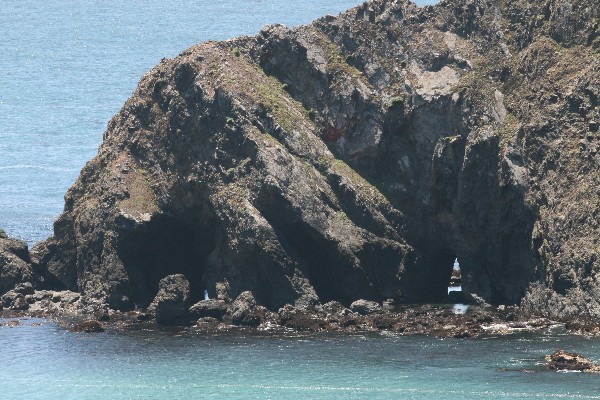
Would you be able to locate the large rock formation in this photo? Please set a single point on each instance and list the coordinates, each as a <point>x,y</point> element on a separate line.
<point>355,158</point>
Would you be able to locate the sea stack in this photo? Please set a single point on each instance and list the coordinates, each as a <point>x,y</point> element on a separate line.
<point>354,158</point>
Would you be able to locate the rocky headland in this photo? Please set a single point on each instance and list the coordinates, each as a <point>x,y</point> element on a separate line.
<point>307,177</point>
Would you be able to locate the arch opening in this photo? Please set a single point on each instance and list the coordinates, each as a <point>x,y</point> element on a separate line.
<point>455,283</point>
<point>164,246</point>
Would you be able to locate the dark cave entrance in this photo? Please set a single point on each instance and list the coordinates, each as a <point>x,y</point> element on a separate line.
<point>167,245</point>
<point>320,264</point>
<point>428,278</point>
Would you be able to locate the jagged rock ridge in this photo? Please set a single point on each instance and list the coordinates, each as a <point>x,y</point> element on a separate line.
<point>353,158</point>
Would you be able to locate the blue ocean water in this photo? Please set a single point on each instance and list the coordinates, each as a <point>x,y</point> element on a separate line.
<point>47,362</point>
<point>66,67</point>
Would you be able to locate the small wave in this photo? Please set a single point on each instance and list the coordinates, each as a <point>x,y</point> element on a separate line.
<point>486,393</point>
<point>40,167</point>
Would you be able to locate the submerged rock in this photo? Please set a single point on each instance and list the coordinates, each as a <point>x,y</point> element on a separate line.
<point>170,305</point>
<point>564,361</point>
<point>89,326</point>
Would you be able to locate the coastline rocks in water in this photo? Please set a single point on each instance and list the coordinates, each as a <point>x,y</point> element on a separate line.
<point>18,298</point>
<point>15,262</point>
<point>308,164</point>
<point>244,311</point>
<point>14,301</point>
<point>336,308</point>
<point>301,320</point>
<point>208,308</point>
<point>563,361</point>
<point>584,326</point>
<point>42,302</point>
<point>170,305</point>
<point>365,307</point>
<point>89,326</point>
<point>56,302</point>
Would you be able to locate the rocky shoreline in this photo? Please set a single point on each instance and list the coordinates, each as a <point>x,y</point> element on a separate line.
<point>171,308</point>
<point>433,320</point>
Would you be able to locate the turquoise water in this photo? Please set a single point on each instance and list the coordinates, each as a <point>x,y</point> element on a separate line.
<point>48,362</point>
<point>67,66</point>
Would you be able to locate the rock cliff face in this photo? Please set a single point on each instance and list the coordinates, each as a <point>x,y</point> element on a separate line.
<point>355,158</point>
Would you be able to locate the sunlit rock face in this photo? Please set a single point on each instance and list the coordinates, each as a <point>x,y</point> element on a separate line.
<point>354,158</point>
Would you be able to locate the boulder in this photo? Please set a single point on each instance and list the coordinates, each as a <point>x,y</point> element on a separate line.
<point>301,319</point>
<point>170,306</point>
<point>335,308</point>
<point>19,297</point>
<point>25,288</point>
<point>244,310</point>
<point>15,267</point>
<point>222,289</point>
<point>45,301</point>
<point>13,300</point>
<point>365,307</point>
<point>564,361</point>
<point>89,326</point>
<point>208,308</point>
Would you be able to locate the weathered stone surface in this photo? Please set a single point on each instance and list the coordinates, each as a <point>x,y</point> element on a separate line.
<point>222,289</point>
<point>355,158</point>
<point>89,326</point>
<point>335,307</point>
<point>170,305</point>
<point>365,307</point>
<point>15,265</point>
<point>564,361</point>
<point>62,302</point>
<point>243,311</point>
<point>208,308</point>
<point>13,300</point>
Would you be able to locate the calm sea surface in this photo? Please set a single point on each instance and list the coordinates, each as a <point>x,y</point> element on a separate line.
<point>65,68</point>
<point>46,362</point>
